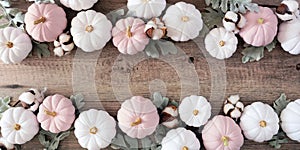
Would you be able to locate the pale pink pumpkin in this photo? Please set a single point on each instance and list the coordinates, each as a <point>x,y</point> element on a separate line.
<point>56,113</point>
<point>45,22</point>
<point>261,27</point>
<point>129,37</point>
<point>138,117</point>
<point>222,133</point>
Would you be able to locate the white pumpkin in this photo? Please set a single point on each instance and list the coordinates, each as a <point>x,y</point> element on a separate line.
<point>195,110</point>
<point>290,120</point>
<point>78,4</point>
<point>91,30</point>
<point>289,36</point>
<point>95,129</point>
<point>220,43</point>
<point>180,139</point>
<point>15,45</point>
<point>146,8</point>
<point>18,125</point>
<point>183,21</point>
<point>259,122</point>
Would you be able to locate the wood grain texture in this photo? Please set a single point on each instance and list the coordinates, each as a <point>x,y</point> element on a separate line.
<point>104,74</point>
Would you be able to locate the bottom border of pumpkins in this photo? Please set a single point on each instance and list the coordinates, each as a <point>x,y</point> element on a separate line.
<point>140,117</point>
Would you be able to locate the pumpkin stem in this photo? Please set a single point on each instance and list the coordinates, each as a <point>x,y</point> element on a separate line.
<point>40,20</point>
<point>93,130</point>
<point>222,43</point>
<point>260,20</point>
<point>263,123</point>
<point>50,113</point>
<point>89,28</point>
<point>185,18</point>
<point>17,127</point>
<point>128,32</point>
<point>10,44</point>
<point>225,140</point>
<point>196,112</point>
<point>185,148</point>
<point>136,122</point>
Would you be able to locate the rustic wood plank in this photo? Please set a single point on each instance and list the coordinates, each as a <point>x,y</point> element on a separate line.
<point>264,80</point>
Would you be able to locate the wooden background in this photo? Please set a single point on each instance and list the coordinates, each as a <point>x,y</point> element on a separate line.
<point>101,77</point>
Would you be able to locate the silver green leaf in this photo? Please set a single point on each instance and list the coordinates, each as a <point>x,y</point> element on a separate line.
<point>51,140</point>
<point>151,50</point>
<point>252,53</point>
<point>122,141</point>
<point>116,15</point>
<point>146,143</point>
<point>155,47</point>
<point>213,18</point>
<point>280,103</point>
<point>160,133</point>
<point>4,105</point>
<point>159,101</point>
<point>278,139</point>
<point>233,5</point>
<point>78,101</point>
<point>41,49</point>
<point>166,47</point>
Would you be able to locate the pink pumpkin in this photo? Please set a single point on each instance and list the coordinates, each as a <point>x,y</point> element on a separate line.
<point>56,113</point>
<point>129,37</point>
<point>261,27</point>
<point>138,117</point>
<point>45,22</point>
<point>222,133</point>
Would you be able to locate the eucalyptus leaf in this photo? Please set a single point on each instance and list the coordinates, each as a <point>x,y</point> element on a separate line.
<point>146,143</point>
<point>78,101</point>
<point>213,18</point>
<point>115,15</point>
<point>166,47</point>
<point>204,31</point>
<point>278,139</point>
<point>159,101</point>
<point>252,54</point>
<point>272,45</point>
<point>4,105</point>
<point>151,50</point>
<point>41,49</point>
<point>118,141</point>
<point>280,103</point>
<point>234,5</point>
<point>50,140</point>
<point>133,143</point>
<point>160,133</point>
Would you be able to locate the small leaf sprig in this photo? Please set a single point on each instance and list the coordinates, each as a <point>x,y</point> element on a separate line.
<point>280,138</point>
<point>233,5</point>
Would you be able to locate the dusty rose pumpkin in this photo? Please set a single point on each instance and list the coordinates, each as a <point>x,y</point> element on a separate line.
<point>261,27</point>
<point>138,117</point>
<point>45,22</point>
<point>129,37</point>
<point>56,113</point>
<point>222,133</point>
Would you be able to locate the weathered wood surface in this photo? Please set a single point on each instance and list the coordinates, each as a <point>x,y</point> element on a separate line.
<point>101,76</point>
